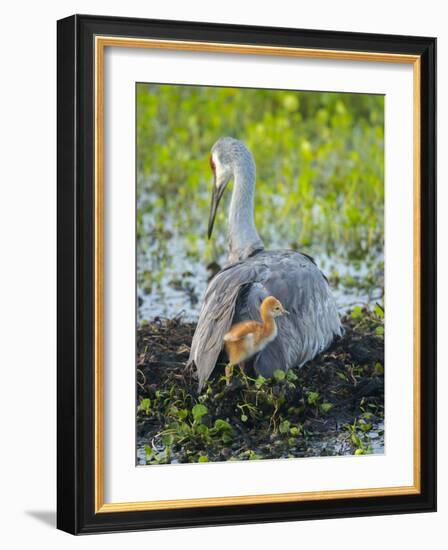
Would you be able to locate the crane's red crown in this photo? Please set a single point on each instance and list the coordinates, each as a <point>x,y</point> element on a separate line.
<point>212,164</point>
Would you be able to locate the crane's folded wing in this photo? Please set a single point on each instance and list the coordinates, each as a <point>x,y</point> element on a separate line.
<point>216,316</point>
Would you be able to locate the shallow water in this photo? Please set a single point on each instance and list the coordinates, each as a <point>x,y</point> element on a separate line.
<point>180,291</point>
<point>173,254</point>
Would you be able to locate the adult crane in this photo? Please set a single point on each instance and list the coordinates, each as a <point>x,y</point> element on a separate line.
<point>253,273</point>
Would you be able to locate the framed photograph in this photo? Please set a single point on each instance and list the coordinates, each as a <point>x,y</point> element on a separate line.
<point>246,274</point>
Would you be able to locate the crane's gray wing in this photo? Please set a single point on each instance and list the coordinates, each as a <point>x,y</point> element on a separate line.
<point>217,314</point>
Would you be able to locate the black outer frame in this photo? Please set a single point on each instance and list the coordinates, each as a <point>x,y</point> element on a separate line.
<point>75,295</point>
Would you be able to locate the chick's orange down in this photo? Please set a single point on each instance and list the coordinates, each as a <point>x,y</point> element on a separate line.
<point>249,337</point>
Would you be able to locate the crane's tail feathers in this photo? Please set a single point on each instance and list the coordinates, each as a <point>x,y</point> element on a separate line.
<point>216,317</point>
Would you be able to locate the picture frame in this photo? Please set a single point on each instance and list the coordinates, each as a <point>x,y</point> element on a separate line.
<point>82,43</point>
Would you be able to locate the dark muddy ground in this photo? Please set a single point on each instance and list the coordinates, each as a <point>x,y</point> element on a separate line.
<point>331,406</point>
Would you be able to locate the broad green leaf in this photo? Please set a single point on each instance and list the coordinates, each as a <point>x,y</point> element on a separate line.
<point>222,425</point>
<point>312,397</point>
<point>284,426</point>
<point>356,312</point>
<point>198,411</point>
<point>291,376</point>
<point>279,375</point>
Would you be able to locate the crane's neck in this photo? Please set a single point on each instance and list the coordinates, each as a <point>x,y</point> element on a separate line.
<point>243,236</point>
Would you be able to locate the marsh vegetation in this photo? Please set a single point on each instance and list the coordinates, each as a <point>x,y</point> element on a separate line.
<point>332,406</point>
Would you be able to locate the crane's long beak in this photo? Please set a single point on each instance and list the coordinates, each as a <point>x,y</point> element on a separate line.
<point>217,193</point>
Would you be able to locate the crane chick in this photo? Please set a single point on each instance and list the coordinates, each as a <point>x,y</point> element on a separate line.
<point>249,337</point>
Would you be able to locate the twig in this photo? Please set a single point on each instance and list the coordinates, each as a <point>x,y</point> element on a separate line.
<point>141,384</point>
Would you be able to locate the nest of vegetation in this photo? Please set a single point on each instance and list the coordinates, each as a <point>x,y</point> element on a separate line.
<point>333,405</point>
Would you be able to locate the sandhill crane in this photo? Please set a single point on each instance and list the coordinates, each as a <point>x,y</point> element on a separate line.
<point>235,294</point>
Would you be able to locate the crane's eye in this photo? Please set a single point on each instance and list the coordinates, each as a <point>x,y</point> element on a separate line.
<point>212,164</point>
